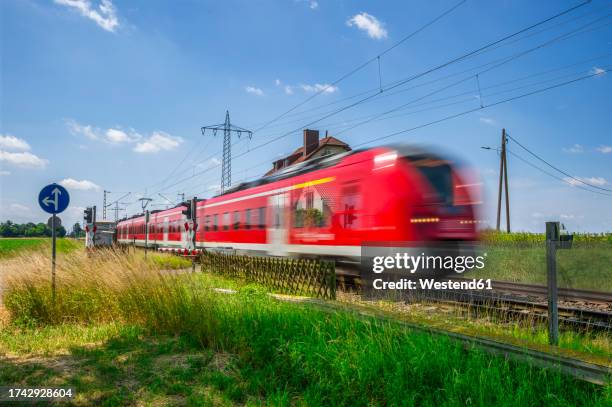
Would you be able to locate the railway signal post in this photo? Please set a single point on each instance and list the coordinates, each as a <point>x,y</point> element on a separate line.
<point>554,241</point>
<point>53,199</point>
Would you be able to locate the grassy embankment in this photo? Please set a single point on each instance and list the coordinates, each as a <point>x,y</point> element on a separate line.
<point>121,331</point>
<point>521,257</point>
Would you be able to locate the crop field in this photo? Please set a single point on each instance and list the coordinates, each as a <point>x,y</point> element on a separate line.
<point>10,247</point>
<point>124,331</point>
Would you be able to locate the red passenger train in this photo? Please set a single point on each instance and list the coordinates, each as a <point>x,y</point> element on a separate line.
<point>326,206</point>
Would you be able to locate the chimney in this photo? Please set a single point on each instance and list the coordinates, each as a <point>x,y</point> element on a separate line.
<point>311,141</point>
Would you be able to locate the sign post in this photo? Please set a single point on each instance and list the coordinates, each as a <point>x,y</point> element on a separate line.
<point>53,199</point>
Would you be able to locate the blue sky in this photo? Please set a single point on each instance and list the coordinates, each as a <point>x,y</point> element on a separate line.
<point>112,94</point>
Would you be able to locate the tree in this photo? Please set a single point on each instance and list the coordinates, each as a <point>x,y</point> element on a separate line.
<point>76,230</point>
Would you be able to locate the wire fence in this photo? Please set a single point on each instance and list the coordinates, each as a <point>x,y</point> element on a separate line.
<point>313,278</point>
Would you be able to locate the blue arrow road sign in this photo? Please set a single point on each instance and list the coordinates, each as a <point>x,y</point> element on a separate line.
<point>53,198</point>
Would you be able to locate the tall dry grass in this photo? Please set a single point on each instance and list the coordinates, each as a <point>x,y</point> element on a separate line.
<point>105,286</point>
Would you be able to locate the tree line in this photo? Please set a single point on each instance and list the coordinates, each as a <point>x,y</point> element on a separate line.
<point>30,229</point>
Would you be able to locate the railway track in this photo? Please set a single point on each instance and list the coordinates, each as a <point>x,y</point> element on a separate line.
<point>579,309</point>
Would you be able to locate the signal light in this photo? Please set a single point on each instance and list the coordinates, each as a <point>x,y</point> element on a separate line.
<point>88,215</point>
<point>187,211</point>
<point>186,226</point>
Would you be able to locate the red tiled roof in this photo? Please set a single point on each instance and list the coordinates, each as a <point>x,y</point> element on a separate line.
<point>299,152</point>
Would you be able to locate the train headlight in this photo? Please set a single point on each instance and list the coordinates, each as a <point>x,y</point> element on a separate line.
<point>424,220</point>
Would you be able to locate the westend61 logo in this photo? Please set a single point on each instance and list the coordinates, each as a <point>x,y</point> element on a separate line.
<point>398,270</point>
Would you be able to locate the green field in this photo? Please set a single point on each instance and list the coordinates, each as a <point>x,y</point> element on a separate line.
<point>121,332</point>
<point>585,266</point>
<point>10,247</point>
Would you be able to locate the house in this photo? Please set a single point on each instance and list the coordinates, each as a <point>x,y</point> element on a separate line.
<point>312,147</point>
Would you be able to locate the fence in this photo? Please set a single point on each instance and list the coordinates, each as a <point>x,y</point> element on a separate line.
<point>306,277</point>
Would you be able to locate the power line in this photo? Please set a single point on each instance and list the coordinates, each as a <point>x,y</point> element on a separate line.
<point>556,168</point>
<point>553,175</point>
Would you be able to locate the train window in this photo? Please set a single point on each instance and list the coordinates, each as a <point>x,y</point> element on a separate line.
<point>236,220</point>
<point>309,198</point>
<point>262,217</point>
<point>247,219</point>
<point>207,223</point>
<point>226,220</point>
<point>348,206</point>
<point>215,222</point>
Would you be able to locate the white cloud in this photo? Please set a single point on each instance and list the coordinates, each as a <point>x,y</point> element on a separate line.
<point>605,149</point>
<point>254,90</point>
<point>117,136</point>
<point>83,185</point>
<point>289,90</point>
<point>3,172</point>
<point>9,142</point>
<point>575,149</point>
<point>566,216</point>
<point>487,120</point>
<point>25,159</point>
<point>79,129</point>
<point>104,14</point>
<point>599,181</point>
<point>368,23</point>
<point>157,142</point>
<point>598,71</point>
<point>318,87</point>
<point>313,5</point>
<point>277,82</point>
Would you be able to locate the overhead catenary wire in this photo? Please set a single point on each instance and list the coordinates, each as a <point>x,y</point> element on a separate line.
<point>364,64</point>
<point>468,111</point>
<point>376,89</point>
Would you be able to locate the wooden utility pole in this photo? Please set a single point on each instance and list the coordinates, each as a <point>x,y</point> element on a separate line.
<point>503,178</point>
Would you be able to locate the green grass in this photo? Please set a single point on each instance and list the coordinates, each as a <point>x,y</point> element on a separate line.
<point>169,261</point>
<point>279,353</point>
<point>10,247</point>
<point>584,266</point>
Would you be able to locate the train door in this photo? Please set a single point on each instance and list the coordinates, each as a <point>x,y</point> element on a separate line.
<point>277,228</point>
<point>165,230</point>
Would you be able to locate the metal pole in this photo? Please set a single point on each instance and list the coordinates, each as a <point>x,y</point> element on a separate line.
<point>501,173</point>
<point>552,240</point>
<point>53,247</point>
<point>146,232</point>
<point>505,158</point>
